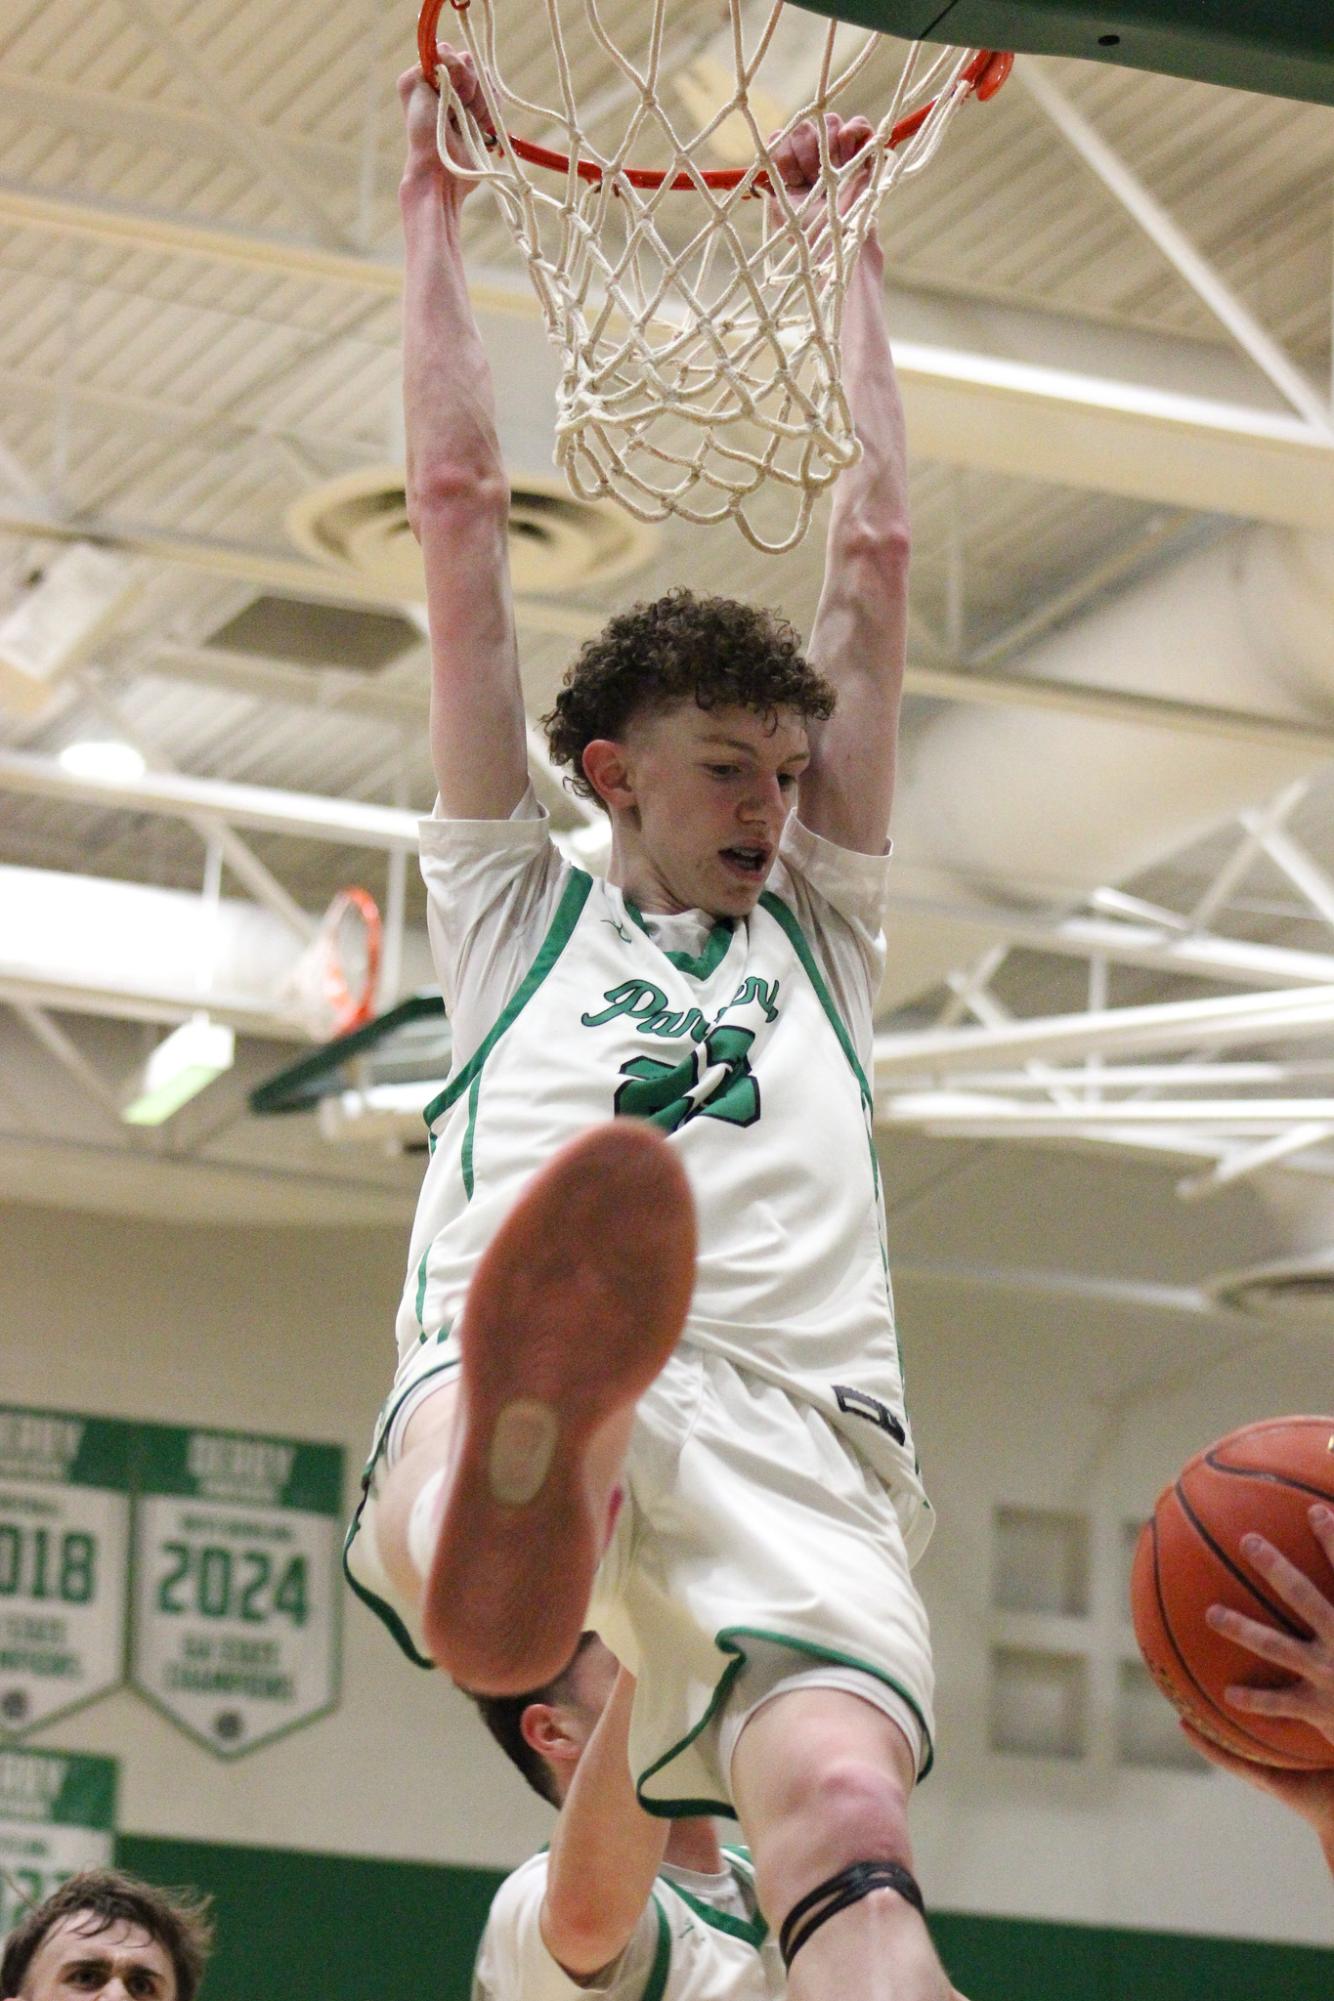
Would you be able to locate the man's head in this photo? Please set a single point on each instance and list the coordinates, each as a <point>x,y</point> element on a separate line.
<point>687,720</point>
<point>545,1731</point>
<point>105,1936</point>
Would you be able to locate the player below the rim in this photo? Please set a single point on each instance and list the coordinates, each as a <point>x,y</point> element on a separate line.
<point>680,1423</point>
<point>602,1905</point>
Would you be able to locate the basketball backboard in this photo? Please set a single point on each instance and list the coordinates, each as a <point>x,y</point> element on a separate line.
<point>1282,47</point>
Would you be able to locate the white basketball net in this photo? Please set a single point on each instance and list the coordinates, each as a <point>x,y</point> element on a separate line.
<point>700,330</point>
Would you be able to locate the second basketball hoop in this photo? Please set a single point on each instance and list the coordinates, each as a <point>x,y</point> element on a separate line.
<point>696,301</point>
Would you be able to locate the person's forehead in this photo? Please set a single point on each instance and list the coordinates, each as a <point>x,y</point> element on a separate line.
<point>83,1935</point>
<point>782,730</point>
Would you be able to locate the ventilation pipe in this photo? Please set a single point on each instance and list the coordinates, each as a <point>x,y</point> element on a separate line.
<point>998,808</point>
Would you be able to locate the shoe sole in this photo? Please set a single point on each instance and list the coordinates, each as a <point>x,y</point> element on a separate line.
<point>574,1308</point>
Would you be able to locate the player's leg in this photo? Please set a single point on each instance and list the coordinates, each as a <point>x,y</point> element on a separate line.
<point>821,1781</point>
<point>496,1514</point>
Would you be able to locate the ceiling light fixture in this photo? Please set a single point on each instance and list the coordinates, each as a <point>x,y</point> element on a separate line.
<point>192,1057</point>
<point>116,763</point>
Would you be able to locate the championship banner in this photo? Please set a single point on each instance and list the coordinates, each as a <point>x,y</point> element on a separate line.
<point>237,1600</point>
<point>64,1529</point>
<point>57,1815</point>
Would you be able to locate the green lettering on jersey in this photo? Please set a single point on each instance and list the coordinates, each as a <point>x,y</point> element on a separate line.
<point>691,1022</point>
<point>753,988</point>
<point>636,998</point>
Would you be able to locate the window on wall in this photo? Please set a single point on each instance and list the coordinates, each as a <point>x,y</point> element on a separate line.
<point>1066,1677</point>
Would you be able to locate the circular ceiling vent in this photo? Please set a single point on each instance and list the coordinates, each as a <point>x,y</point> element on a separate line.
<point>1299,1290</point>
<point>360,523</point>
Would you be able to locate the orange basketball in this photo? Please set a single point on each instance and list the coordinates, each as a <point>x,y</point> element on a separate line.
<point>1189,1556</point>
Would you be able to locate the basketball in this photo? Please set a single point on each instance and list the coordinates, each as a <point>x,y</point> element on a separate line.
<point>1262,1478</point>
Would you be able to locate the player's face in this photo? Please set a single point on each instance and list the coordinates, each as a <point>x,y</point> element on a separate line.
<point>713,790</point>
<point>121,1962</point>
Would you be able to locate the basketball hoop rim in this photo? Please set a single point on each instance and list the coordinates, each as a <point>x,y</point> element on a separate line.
<point>984,75</point>
<point>351,1007</point>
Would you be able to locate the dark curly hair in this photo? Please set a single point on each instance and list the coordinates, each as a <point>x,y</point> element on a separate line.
<point>178,1920</point>
<point>715,651</point>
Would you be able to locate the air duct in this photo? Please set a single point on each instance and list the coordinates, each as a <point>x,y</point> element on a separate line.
<point>997,807</point>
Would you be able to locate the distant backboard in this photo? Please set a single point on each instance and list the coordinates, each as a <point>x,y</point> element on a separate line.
<point>1282,47</point>
<point>409,1042</point>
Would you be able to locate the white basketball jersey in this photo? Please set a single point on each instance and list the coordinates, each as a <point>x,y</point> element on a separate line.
<point>740,1057</point>
<point>687,1947</point>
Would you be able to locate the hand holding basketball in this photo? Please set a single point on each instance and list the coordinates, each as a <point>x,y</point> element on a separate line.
<point>1237,1625</point>
<point>1310,1697</point>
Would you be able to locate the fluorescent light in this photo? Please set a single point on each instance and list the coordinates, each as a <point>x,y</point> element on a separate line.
<point>192,1056</point>
<point>121,763</point>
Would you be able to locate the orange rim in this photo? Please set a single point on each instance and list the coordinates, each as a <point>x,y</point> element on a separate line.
<point>985,74</point>
<point>350,1010</point>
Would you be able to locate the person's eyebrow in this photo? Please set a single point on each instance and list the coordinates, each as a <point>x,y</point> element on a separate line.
<point>737,743</point>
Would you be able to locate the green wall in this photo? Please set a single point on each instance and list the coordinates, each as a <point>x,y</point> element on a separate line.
<point>301,1927</point>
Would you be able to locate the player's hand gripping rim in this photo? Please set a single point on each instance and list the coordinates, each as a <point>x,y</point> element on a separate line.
<point>1310,1698</point>
<point>799,162</point>
<point>421,114</point>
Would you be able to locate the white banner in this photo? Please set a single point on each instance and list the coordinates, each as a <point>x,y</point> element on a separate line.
<point>64,1527</point>
<point>57,1816</point>
<point>237,1594</point>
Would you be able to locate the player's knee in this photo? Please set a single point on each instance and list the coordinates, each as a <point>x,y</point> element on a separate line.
<point>854,1809</point>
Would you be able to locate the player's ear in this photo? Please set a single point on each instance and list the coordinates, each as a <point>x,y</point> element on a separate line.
<point>605,768</point>
<point>546,1730</point>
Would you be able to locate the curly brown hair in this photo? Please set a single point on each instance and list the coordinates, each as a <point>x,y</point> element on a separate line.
<point>712,650</point>
<point>178,1920</point>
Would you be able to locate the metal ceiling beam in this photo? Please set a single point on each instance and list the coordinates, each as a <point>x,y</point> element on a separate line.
<point>64,104</point>
<point>1199,1024</point>
<point>174,423</point>
<point>577,622</point>
<point>1184,256</point>
<point>245,865</point>
<point>70,1057</point>
<point>260,151</point>
<point>28,987</point>
<point>994,1117</point>
<point>329,688</point>
<point>1140,428</point>
<point>298,813</point>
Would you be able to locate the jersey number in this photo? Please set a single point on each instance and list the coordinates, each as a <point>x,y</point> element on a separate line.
<point>712,1082</point>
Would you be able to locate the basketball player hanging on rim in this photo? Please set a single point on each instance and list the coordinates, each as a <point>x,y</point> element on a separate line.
<point>679,1421</point>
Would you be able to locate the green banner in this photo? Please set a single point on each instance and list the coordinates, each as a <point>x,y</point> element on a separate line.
<point>57,1815</point>
<point>236,1542</point>
<point>64,1538</point>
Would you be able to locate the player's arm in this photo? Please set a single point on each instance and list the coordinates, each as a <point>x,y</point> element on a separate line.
<point>859,638</point>
<point>458,493</point>
<point>605,1851</point>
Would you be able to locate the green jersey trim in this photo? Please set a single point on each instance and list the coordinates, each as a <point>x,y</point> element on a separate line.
<point>785,917</point>
<point>751,1931</point>
<point>656,1985</point>
<point>573,898</point>
<point>728,1641</point>
<point>707,961</point>
<point>383,1612</point>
